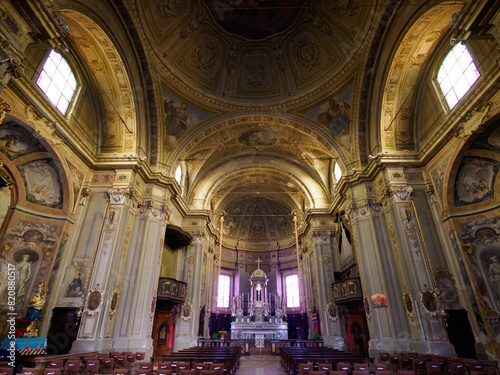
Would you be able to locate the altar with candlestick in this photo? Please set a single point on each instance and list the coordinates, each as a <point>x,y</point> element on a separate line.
<point>258,315</point>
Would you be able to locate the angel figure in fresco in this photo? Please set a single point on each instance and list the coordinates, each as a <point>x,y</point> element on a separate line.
<point>337,116</point>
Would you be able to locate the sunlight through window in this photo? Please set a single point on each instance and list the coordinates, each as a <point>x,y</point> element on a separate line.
<point>457,74</point>
<point>223,293</point>
<point>292,291</point>
<point>57,81</point>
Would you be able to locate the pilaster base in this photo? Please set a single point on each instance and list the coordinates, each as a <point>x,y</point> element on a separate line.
<point>335,342</point>
<point>444,348</point>
<point>84,346</point>
<point>388,346</point>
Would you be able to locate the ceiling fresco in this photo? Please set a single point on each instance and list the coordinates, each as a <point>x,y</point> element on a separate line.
<point>220,60</point>
<point>239,53</point>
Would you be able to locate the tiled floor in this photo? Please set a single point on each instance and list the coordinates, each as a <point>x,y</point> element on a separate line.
<point>260,365</point>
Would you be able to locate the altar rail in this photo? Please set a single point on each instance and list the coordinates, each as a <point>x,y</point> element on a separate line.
<point>243,344</point>
<point>276,344</point>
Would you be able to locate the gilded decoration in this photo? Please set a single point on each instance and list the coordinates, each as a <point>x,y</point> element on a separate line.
<point>333,311</point>
<point>204,45</point>
<point>430,302</point>
<point>113,305</point>
<point>94,301</point>
<point>347,290</point>
<point>171,289</point>
<point>186,311</point>
<point>408,302</point>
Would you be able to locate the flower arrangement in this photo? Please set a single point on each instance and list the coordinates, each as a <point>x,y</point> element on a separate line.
<point>22,326</point>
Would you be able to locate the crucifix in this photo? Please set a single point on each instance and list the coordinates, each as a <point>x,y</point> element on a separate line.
<point>258,263</point>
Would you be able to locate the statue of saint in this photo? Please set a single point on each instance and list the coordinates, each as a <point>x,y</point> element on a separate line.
<point>23,269</point>
<point>494,273</point>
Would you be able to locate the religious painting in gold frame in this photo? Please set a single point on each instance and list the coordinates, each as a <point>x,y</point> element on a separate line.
<point>429,302</point>
<point>113,306</point>
<point>94,301</point>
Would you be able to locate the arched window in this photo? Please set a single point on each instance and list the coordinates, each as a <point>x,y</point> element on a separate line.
<point>57,81</point>
<point>457,74</point>
<point>224,291</point>
<point>292,291</point>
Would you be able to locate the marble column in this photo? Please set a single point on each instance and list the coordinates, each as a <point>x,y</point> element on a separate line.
<point>135,313</point>
<point>187,331</point>
<point>103,269</point>
<point>388,326</point>
<point>427,326</point>
<point>127,264</point>
<point>331,329</point>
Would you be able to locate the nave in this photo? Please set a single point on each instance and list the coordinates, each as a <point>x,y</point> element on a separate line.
<point>260,365</point>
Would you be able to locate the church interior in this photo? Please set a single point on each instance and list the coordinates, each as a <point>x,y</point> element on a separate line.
<point>183,171</point>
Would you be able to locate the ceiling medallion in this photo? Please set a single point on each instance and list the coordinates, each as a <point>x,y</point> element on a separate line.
<point>204,56</point>
<point>308,54</point>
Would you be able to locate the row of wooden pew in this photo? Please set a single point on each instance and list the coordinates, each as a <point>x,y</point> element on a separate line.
<point>326,361</point>
<point>192,357</point>
<point>292,358</point>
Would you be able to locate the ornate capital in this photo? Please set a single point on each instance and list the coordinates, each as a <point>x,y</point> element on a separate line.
<point>370,206</point>
<point>149,209</point>
<point>321,235</point>
<point>198,237</point>
<point>117,195</point>
<point>11,64</point>
<point>401,194</point>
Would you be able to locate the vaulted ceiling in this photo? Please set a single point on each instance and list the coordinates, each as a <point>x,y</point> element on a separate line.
<point>258,100</point>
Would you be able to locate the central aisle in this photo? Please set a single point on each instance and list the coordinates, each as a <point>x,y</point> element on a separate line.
<point>260,365</point>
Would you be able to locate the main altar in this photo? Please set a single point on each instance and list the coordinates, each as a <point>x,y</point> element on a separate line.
<point>253,317</point>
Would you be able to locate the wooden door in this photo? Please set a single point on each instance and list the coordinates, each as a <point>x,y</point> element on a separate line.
<point>358,329</point>
<point>163,333</point>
